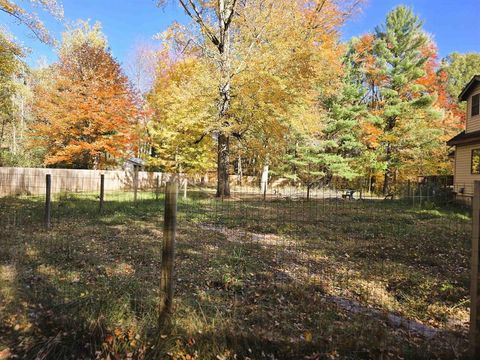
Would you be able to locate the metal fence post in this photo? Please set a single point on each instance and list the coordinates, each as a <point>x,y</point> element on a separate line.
<point>168,252</point>
<point>48,201</point>
<point>102,191</point>
<point>474,275</point>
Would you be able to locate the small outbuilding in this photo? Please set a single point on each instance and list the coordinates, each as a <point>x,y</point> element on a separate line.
<point>134,164</point>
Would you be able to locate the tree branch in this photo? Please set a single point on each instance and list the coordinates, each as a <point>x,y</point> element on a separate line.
<point>230,16</point>
<point>34,27</point>
<point>197,17</point>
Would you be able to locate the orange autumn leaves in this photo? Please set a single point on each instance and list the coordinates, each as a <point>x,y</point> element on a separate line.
<point>434,81</point>
<point>86,110</point>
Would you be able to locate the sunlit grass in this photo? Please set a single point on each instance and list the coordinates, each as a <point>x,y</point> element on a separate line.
<point>253,278</point>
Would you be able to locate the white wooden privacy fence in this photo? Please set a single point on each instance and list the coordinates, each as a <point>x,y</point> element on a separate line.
<point>31,181</point>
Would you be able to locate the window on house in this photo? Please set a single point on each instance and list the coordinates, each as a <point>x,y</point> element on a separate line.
<point>475,105</point>
<point>476,161</point>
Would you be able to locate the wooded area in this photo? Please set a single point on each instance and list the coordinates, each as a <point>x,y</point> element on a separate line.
<point>260,87</point>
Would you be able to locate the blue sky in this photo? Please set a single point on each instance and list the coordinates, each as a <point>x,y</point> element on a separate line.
<point>453,23</point>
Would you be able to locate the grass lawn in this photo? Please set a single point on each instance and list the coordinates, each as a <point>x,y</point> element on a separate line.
<point>281,279</point>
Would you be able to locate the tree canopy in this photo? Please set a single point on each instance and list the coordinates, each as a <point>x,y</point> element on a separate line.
<point>258,87</point>
<point>85,107</point>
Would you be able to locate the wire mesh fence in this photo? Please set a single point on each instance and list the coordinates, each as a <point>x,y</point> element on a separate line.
<point>285,272</point>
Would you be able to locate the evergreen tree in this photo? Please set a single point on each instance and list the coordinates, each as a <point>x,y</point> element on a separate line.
<point>403,107</point>
<point>340,142</point>
<point>336,150</point>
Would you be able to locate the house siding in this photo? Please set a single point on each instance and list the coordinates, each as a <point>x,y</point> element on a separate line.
<point>463,161</point>
<point>473,123</point>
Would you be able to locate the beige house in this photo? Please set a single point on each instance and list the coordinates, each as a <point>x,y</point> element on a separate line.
<point>467,143</point>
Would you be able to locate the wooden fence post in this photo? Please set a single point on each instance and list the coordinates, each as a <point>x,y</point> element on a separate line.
<point>474,275</point>
<point>168,252</point>
<point>48,201</point>
<point>102,191</point>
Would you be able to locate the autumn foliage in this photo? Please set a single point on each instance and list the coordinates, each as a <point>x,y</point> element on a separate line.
<point>244,87</point>
<point>86,110</point>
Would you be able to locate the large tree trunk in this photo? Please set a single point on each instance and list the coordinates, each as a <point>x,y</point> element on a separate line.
<point>223,162</point>
<point>386,183</point>
<point>240,170</point>
<point>14,138</point>
<point>264,180</point>
<point>225,11</point>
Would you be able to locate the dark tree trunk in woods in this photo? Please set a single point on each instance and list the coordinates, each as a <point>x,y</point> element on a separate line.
<point>223,161</point>
<point>240,171</point>
<point>386,183</point>
<point>388,171</point>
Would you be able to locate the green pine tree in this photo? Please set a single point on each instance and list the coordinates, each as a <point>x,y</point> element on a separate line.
<point>401,103</point>
<point>340,143</point>
<point>336,151</point>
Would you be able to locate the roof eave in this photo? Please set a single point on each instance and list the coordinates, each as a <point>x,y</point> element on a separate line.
<point>454,142</point>
<point>466,90</point>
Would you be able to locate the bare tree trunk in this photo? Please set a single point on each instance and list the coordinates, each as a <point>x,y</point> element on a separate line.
<point>2,133</point>
<point>223,162</point>
<point>387,175</point>
<point>369,184</point>
<point>14,138</point>
<point>240,170</point>
<point>264,180</point>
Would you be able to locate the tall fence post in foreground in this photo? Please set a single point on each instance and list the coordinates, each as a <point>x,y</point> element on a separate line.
<point>48,201</point>
<point>102,191</point>
<point>475,275</point>
<point>168,253</point>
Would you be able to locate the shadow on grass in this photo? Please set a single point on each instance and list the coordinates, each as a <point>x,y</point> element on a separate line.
<point>88,288</point>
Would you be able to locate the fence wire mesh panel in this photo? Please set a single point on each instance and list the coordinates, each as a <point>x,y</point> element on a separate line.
<point>333,272</point>
<point>286,272</point>
<point>64,292</point>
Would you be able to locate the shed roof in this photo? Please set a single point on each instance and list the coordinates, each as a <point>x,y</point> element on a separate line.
<point>136,161</point>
